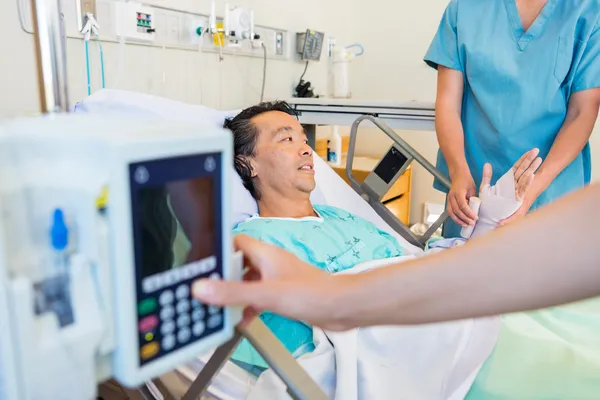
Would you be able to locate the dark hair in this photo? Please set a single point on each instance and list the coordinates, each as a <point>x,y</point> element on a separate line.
<point>245,134</point>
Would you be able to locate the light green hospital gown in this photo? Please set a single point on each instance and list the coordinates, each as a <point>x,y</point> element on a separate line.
<point>334,241</point>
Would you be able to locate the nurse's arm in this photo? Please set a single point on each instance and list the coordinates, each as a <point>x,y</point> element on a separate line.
<point>450,135</point>
<point>574,134</point>
<point>448,123</point>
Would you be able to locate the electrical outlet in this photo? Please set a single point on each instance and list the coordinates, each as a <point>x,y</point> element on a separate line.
<point>279,43</point>
<point>83,8</point>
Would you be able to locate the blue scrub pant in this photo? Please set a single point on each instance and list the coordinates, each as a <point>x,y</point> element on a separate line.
<point>451,229</point>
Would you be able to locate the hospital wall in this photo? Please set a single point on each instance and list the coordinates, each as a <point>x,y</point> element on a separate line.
<point>392,69</point>
<point>190,76</point>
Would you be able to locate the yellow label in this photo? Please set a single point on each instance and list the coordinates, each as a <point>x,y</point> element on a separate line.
<point>219,37</point>
<point>102,200</point>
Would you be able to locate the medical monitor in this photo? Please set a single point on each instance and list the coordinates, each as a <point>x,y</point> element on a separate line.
<point>145,211</point>
<point>387,171</point>
<point>176,217</point>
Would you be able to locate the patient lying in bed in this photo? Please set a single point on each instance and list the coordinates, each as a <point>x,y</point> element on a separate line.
<point>275,163</point>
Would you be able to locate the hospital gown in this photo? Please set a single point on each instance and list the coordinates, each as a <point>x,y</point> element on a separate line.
<point>333,241</point>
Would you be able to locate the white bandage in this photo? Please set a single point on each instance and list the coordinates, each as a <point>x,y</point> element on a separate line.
<point>495,203</point>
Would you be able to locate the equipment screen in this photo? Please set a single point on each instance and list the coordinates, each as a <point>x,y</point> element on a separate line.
<point>393,162</point>
<point>176,210</point>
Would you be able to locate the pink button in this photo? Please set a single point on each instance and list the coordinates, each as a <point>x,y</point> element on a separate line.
<point>148,324</point>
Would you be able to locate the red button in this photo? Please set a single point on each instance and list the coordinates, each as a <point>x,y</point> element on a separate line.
<point>148,324</point>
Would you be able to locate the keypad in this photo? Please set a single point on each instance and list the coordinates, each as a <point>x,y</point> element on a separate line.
<point>183,291</point>
<point>166,313</point>
<point>183,306</point>
<point>198,314</point>
<point>168,342</point>
<point>198,328</point>
<point>169,318</point>
<point>166,298</point>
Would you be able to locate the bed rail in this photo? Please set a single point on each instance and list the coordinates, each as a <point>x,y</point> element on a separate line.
<point>375,202</point>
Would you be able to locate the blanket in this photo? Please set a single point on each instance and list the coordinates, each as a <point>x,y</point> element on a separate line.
<point>435,361</point>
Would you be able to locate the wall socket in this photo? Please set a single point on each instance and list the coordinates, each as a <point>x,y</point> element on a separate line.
<point>83,8</point>
<point>279,43</point>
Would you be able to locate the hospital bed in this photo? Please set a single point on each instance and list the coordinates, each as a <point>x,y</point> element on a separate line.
<point>121,147</point>
<point>362,198</point>
<point>232,382</point>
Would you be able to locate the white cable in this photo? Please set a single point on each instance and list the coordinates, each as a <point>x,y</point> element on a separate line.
<point>121,53</point>
<point>262,93</point>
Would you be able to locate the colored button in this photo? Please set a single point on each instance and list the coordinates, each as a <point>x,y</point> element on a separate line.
<point>167,327</point>
<point>183,291</point>
<point>183,306</point>
<point>198,314</point>
<point>147,306</point>
<point>198,328</point>
<point>150,350</point>
<point>167,313</point>
<point>214,321</point>
<point>148,324</point>
<point>149,336</point>
<point>166,297</point>
<point>184,335</point>
<point>168,342</point>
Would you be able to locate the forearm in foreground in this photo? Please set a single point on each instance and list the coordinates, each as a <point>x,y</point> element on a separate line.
<point>550,257</point>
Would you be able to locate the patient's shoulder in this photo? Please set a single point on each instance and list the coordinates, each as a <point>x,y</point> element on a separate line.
<point>258,228</point>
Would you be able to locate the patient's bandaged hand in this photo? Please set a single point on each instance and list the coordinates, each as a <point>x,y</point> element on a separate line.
<point>494,204</point>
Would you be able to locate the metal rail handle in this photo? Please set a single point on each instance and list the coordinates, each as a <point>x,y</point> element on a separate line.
<point>404,231</point>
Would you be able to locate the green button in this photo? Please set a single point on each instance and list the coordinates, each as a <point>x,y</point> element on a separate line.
<point>147,306</point>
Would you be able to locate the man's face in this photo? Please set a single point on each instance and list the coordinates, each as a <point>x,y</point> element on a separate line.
<point>283,163</point>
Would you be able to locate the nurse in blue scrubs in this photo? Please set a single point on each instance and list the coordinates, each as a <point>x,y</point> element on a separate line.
<point>514,75</point>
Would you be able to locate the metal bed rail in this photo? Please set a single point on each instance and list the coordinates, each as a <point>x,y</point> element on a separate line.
<point>375,203</point>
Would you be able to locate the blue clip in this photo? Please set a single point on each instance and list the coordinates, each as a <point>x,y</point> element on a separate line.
<point>59,233</point>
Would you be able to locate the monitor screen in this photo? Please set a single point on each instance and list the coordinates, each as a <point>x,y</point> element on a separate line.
<point>176,225</point>
<point>389,166</point>
<point>177,228</point>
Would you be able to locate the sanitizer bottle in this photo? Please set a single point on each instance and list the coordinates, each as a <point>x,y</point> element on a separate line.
<point>334,150</point>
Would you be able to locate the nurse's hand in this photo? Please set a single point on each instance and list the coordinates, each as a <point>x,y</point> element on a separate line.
<point>463,187</point>
<point>279,282</point>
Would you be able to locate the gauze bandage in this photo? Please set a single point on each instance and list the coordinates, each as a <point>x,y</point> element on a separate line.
<point>494,204</point>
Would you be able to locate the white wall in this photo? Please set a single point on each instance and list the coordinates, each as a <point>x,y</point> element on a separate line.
<point>184,75</point>
<point>395,34</point>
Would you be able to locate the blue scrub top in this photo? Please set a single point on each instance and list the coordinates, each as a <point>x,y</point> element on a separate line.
<point>518,84</point>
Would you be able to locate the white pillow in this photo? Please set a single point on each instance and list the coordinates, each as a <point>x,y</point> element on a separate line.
<point>108,101</point>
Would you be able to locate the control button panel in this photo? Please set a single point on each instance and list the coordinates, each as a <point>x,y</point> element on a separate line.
<point>168,317</point>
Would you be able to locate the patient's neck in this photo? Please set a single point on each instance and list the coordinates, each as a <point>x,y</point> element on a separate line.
<point>282,207</point>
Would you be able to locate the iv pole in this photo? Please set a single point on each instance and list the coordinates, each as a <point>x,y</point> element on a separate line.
<point>51,56</point>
